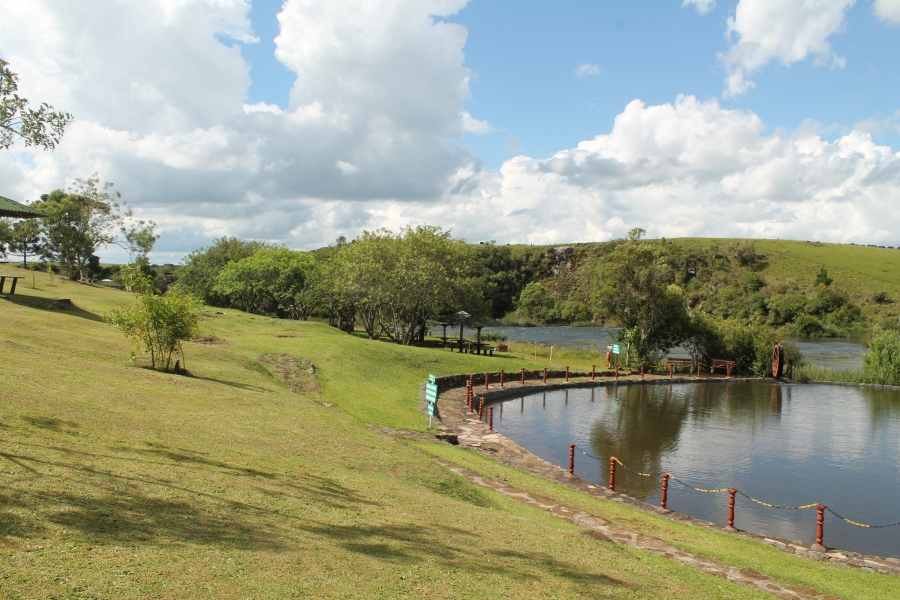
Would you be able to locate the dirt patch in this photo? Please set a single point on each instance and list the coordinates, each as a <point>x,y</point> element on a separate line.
<point>209,340</point>
<point>297,373</point>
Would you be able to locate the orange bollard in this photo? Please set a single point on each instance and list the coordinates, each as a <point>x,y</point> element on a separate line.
<point>698,370</point>
<point>501,379</point>
<point>730,527</point>
<point>545,375</point>
<point>523,375</point>
<point>593,371</point>
<point>671,371</point>
<point>617,372</point>
<point>491,418</point>
<point>612,473</point>
<point>642,372</point>
<point>486,378</point>
<point>665,492</point>
<point>567,374</point>
<point>481,409</point>
<point>820,529</point>
<point>571,459</point>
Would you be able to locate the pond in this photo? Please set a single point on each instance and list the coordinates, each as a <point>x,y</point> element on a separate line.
<point>783,444</point>
<point>835,353</point>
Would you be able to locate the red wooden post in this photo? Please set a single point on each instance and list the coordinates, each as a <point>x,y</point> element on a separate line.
<point>501,378</point>
<point>642,371</point>
<point>523,375</point>
<point>593,371</point>
<point>617,371</point>
<point>567,374</point>
<point>545,374</point>
<point>665,492</point>
<point>698,370</point>
<point>612,473</point>
<point>730,527</point>
<point>481,408</point>
<point>486,378</point>
<point>728,370</point>
<point>671,370</point>
<point>491,418</point>
<point>820,529</point>
<point>571,459</point>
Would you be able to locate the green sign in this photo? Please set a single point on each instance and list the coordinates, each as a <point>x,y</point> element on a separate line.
<point>431,392</point>
<point>431,406</point>
<point>615,348</point>
<point>431,379</point>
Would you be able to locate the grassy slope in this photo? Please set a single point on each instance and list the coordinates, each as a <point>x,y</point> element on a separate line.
<point>116,481</point>
<point>860,270</point>
<point>119,482</point>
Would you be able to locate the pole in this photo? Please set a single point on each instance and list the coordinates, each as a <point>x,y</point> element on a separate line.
<point>617,371</point>
<point>665,492</point>
<point>642,371</point>
<point>486,376</point>
<point>612,473</point>
<point>698,370</point>
<point>731,493</point>
<point>491,418</point>
<point>545,374</point>
<point>820,529</point>
<point>481,409</point>
<point>523,375</point>
<point>593,371</point>
<point>671,371</point>
<point>567,374</point>
<point>571,459</point>
<point>501,378</point>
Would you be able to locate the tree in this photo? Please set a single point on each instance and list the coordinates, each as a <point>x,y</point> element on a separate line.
<point>639,291</point>
<point>201,267</point>
<point>79,222</point>
<point>158,323</point>
<point>22,237</point>
<point>41,127</point>
<point>269,278</point>
<point>822,277</point>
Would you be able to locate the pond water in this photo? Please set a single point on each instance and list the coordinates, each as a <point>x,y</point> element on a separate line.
<point>835,353</point>
<point>783,444</point>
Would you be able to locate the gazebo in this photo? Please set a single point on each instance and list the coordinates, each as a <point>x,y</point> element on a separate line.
<point>465,320</point>
<point>11,208</point>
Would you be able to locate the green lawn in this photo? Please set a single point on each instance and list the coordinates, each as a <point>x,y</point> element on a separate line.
<point>121,482</point>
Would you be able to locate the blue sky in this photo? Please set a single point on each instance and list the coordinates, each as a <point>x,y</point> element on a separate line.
<point>518,121</point>
<point>524,55</point>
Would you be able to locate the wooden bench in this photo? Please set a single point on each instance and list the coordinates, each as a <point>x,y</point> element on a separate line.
<point>15,280</point>
<point>676,362</point>
<point>728,365</point>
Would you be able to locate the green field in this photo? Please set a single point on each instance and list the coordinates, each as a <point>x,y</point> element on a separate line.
<point>121,482</point>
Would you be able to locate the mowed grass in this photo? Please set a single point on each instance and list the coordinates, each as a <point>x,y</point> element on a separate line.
<point>121,482</point>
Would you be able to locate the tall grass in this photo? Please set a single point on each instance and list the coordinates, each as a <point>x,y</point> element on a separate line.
<point>817,373</point>
<point>881,364</point>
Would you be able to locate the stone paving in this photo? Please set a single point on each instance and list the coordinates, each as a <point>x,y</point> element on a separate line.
<point>460,426</point>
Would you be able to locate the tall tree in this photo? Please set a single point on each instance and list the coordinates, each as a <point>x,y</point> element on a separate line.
<point>202,266</point>
<point>23,238</point>
<point>42,127</point>
<point>80,221</point>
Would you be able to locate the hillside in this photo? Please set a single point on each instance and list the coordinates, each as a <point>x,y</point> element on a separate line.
<point>121,482</point>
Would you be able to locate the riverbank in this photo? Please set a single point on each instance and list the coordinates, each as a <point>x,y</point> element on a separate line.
<point>256,478</point>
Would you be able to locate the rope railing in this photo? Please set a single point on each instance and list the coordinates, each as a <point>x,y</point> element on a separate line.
<point>666,476</point>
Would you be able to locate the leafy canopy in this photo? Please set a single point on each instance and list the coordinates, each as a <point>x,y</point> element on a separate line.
<point>42,127</point>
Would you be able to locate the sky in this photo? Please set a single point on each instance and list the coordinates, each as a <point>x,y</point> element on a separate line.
<point>519,121</point>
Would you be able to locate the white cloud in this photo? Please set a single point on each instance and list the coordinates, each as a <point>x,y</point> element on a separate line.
<point>587,69</point>
<point>473,125</point>
<point>262,107</point>
<point>888,10</point>
<point>702,6</point>
<point>346,168</point>
<point>785,30</point>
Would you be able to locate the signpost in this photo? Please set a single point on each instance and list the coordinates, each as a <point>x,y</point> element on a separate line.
<point>431,392</point>
<point>616,348</point>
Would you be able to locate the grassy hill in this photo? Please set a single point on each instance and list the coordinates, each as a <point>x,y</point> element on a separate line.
<point>120,482</point>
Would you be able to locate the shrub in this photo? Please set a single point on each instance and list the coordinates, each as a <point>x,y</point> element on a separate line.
<point>881,364</point>
<point>784,308</point>
<point>158,323</point>
<point>808,326</point>
<point>827,300</point>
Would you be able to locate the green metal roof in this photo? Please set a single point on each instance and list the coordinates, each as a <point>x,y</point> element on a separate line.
<point>11,208</point>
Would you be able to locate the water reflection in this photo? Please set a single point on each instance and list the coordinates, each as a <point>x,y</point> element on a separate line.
<point>785,444</point>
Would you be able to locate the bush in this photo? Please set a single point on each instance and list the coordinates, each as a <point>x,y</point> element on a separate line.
<point>808,326</point>
<point>881,364</point>
<point>784,308</point>
<point>158,323</point>
<point>827,300</point>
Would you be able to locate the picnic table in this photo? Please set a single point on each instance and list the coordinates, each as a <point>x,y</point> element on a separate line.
<point>15,280</point>
<point>677,361</point>
<point>728,365</point>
